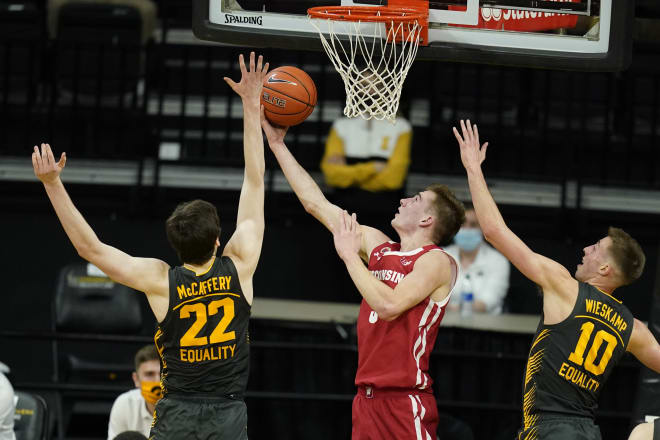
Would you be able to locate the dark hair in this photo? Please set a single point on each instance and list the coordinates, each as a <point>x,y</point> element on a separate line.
<point>192,230</point>
<point>627,254</point>
<point>130,435</point>
<point>146,353</point>
<point>468,206</point>
<point>450,214</point>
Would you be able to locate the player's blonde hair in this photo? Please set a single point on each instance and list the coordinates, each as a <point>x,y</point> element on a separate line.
<point>627,254</point>
<point>449,213</point>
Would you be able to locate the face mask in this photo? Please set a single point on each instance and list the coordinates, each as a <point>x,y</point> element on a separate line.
<point>151,391</point>
<point>468,239</point>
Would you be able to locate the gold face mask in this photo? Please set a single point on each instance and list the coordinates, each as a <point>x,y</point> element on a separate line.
<point>151,391</point>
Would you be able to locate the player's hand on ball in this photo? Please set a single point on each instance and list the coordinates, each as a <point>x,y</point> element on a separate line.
<point>274,133</point>
<point>249,88</point>
<point>347,236</point>
<point>472,154</point>
<point>45,167</point>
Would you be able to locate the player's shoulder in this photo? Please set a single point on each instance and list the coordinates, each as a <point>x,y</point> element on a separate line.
<point>435,256</point>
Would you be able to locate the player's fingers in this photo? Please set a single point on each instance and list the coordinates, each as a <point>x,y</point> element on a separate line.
<point>468,125</point>
<point>260,62</point>
<point>241,64</point>
<point>265,69</point>
<point>251,61</point>
<point>49,155</point>
<point>458,136</point>
<point>484,147</point>
<point>230,82</point>
<point>62,160</point>
<point>40,162</point>
<point>354,223</point>
<point>466,135</point>
<point>44,155</point>
<point>476,131</point>
<point>35,165</point>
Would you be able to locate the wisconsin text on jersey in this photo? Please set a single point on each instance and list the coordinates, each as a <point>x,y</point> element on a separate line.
<point>211,285</point>
<point>388,275</point>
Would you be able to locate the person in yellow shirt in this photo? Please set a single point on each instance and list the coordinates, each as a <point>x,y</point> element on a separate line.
<point>367,161</point>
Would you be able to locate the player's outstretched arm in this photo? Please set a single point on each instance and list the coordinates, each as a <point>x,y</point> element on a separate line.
<point>431,272</point>
<point>244,246</point>
<point>148,275</point>
<point>543,271</point>
<point>309,193</point>
<point>644,346</point>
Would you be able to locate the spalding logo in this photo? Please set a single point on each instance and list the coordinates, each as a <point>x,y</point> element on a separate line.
<point>241,19</point>
<point>279,102</point>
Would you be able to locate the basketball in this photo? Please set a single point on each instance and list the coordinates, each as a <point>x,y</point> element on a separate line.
<point>289,96</point>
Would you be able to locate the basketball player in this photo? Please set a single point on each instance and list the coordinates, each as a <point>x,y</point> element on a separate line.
<point>584,330</point>
<point>405,290</point>
<point>203,306</point>
<point>646,431</point>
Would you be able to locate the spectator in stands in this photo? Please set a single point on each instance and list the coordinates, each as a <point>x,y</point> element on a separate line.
<point>366,161</point>
<point>484,271</point>
<point>134,409</point>
<point>130,435</point>
<point>7,409</point>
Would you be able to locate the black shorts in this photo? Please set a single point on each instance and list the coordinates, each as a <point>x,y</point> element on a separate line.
<point>192,418</point>
<point>562,428</point>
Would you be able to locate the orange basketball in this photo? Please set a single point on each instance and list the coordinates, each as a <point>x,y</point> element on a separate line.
<point>289,96</point>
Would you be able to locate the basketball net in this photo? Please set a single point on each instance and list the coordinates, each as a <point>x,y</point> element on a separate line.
<point>373,59</point>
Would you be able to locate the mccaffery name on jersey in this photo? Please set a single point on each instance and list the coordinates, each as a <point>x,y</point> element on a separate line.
<point>203,340</point>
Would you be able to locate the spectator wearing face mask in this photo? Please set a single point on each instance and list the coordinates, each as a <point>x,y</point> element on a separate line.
<point>484,272</point>
<point>134,409</point>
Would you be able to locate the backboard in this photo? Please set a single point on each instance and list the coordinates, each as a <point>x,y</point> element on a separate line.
<point>587,35</point>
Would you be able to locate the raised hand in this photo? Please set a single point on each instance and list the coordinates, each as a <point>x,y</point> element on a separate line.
<point>472,154</point>
<point>274,133</point>
<point>347,236</point>
<point>249,88</point>
<point>45,167</point>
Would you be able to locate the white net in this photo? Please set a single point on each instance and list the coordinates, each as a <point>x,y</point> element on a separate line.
<point>373,60</point>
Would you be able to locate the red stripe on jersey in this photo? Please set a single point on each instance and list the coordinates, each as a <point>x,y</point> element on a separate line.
<point>396,354</point>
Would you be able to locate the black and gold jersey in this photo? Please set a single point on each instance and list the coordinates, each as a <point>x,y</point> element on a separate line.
<point>203,341</point>
<point>570,361</point>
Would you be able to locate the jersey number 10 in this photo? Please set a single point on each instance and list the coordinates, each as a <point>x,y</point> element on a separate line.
<point>577,356</point>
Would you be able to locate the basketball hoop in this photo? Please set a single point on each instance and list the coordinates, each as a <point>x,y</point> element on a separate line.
<point>372,48</point>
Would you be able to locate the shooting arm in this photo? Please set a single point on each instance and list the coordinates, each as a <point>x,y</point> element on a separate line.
<point>148,275</point>
<point>431,271</point>
<point>541,270</point>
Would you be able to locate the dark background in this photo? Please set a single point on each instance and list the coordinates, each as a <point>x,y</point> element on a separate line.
<point>568,128</point>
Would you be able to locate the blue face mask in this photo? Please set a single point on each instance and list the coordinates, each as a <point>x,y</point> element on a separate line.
<point>468,239</point>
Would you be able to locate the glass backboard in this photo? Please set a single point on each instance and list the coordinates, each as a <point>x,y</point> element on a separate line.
<point>588,35</point>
